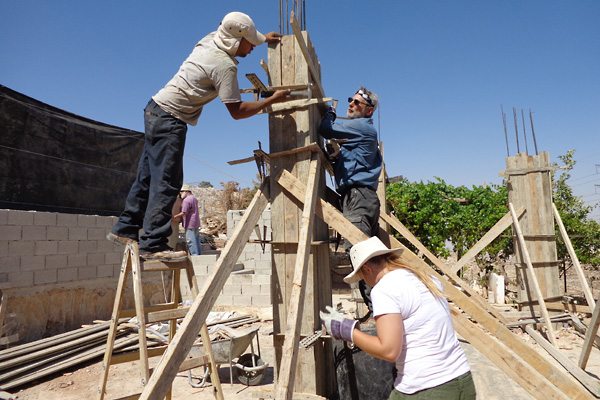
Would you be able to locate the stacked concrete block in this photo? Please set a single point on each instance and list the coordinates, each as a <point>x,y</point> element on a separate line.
<point>250,282</point>
<point>40,248</point>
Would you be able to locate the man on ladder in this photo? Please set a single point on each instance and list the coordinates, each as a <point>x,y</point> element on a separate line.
<point>208,72</point>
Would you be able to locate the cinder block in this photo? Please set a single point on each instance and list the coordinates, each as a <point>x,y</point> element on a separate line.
<point>259,279</point>
<point>241,279</point>
<point>105,222</point>
<point>105,271</point>
<point>88,221</point>
<point>78,233</point>
<point>77,260</point>
<point>265,289</point>
<point>106,246</point>
<point>45,219</point>
<point>45,276</point>
<point>67,275</point>
<point>20,218</point>
<point>57,233</point>
<point>56,261</point>
<point>68,246</point>
<point>4,217</point>
<point>33,263</point>
<point>263,265</point>
<point>86,273</point>
<point>11,232</point>
<point>201,270</point>
<point>20,279</point>
<point>223,300</point>
<point>261,301</point>
<point>113,258</point>
<point>20,249</point>
<point>250,264</point>
<point>251,290</point>
<point>33,232</point>
<point>97,234</point>
<point>243,301</point>
<point>3,279</point>
<point>88,246</point>
<point>95,259</point>
<point>67,220</point>
<point>3,248</point>
<point>9,264</point>
<point>233,290</point>
<point>44,248</point>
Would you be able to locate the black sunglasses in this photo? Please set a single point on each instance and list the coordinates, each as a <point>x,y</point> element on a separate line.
<point>356,102</point>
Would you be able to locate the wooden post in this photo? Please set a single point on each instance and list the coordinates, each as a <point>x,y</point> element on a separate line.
<point>530,186</point>
<point>293,62</point>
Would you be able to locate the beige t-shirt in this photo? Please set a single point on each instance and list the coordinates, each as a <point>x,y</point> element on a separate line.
<point>207,73</point>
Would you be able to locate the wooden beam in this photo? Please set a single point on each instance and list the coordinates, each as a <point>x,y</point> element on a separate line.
<point>590,335</point>
<point>586,380</point>
<point>488,238</point>
<point>586,290</point>
<point>166,370</point>
<point>536,285</point>
<point>314,72</point>
<point>293,105</point>
<point>399,226</point>
<point>335,219</point>
<point>287,371</point>
<point>518,370</point>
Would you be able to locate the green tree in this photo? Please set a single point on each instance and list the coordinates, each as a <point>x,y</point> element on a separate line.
<point>583,232</point>
<point>205,184</point>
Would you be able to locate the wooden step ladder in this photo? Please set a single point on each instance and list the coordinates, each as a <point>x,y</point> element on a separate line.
<point>169,311</point>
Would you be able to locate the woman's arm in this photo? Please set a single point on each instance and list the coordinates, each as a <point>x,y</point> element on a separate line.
<point>387,345</point>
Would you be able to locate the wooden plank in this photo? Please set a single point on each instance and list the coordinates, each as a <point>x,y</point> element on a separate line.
<point>448,274</point>
<point>287,371</point>
<point>166,370</point>
<point>314,71</point>
<point>294,105</point>
<point>590,335</point>
<point>522,373</point>
<point>138,298</point>
<point>536,286</point>
<point>465,303</point>
<point>586,380</point>
<point>584,286</point>
<point>488,238</point>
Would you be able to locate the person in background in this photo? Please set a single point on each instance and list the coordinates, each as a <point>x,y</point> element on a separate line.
<point>190,220</point>
<point>209,72</point>
<point>414,326</point>
<point>358,165</point>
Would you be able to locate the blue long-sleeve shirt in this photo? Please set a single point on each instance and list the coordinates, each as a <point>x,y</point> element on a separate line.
<point>360,161</point>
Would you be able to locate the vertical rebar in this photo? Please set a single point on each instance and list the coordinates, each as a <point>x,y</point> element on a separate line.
<point>505,133</point>
<point>533,133</point>
<point>524,132</point>
<point>516,129</point>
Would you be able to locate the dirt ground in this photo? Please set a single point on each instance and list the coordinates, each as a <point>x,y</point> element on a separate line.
<point>490,381</point>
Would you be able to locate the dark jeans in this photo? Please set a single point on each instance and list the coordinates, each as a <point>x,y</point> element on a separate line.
<point>159,178</point>
<point>360,205</point>
<point>461,388</point>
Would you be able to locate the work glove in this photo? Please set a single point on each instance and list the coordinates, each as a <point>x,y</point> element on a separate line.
<point>338,326</point>
<point>332,111</point>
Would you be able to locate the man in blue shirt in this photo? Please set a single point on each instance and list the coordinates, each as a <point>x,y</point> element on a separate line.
<point>358,166</point>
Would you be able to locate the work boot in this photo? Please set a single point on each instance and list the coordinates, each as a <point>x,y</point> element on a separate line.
<point>119,239</point>
<point>165,256</point>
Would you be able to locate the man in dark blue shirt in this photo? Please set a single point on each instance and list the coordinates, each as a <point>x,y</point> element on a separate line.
<point>359,164</point>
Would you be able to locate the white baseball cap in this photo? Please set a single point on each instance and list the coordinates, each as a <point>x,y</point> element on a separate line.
<point>238,24</point>
<point>362,252</point>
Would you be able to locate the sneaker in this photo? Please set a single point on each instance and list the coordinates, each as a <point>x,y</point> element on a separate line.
<point>165,256</point>
<point>119,239</point>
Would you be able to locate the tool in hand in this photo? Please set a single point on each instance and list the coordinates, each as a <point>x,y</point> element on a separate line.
<point>307,92</point>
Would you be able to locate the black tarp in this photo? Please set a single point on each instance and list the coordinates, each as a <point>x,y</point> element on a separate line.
<point>52,160</point>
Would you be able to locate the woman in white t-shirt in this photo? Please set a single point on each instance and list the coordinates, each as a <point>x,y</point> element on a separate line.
<point>414,326</point>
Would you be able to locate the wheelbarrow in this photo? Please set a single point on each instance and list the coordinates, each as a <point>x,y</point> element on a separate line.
<point>249,367</point>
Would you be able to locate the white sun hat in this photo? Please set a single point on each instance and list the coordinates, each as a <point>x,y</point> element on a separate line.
<point>238,24</point>
<point>362,252</point>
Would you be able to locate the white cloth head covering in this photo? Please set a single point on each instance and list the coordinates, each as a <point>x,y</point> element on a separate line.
<point>233,28</point>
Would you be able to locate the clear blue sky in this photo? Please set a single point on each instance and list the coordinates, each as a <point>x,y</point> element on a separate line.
<point>442,70</point>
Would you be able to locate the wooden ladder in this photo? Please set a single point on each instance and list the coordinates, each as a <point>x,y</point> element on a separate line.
<point>169,311</point>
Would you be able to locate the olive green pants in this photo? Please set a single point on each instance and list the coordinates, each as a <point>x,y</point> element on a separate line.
<point>461,388</point>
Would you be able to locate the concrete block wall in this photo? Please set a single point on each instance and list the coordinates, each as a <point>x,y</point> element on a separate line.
<point>250,283</point>
<point>58,271</point>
